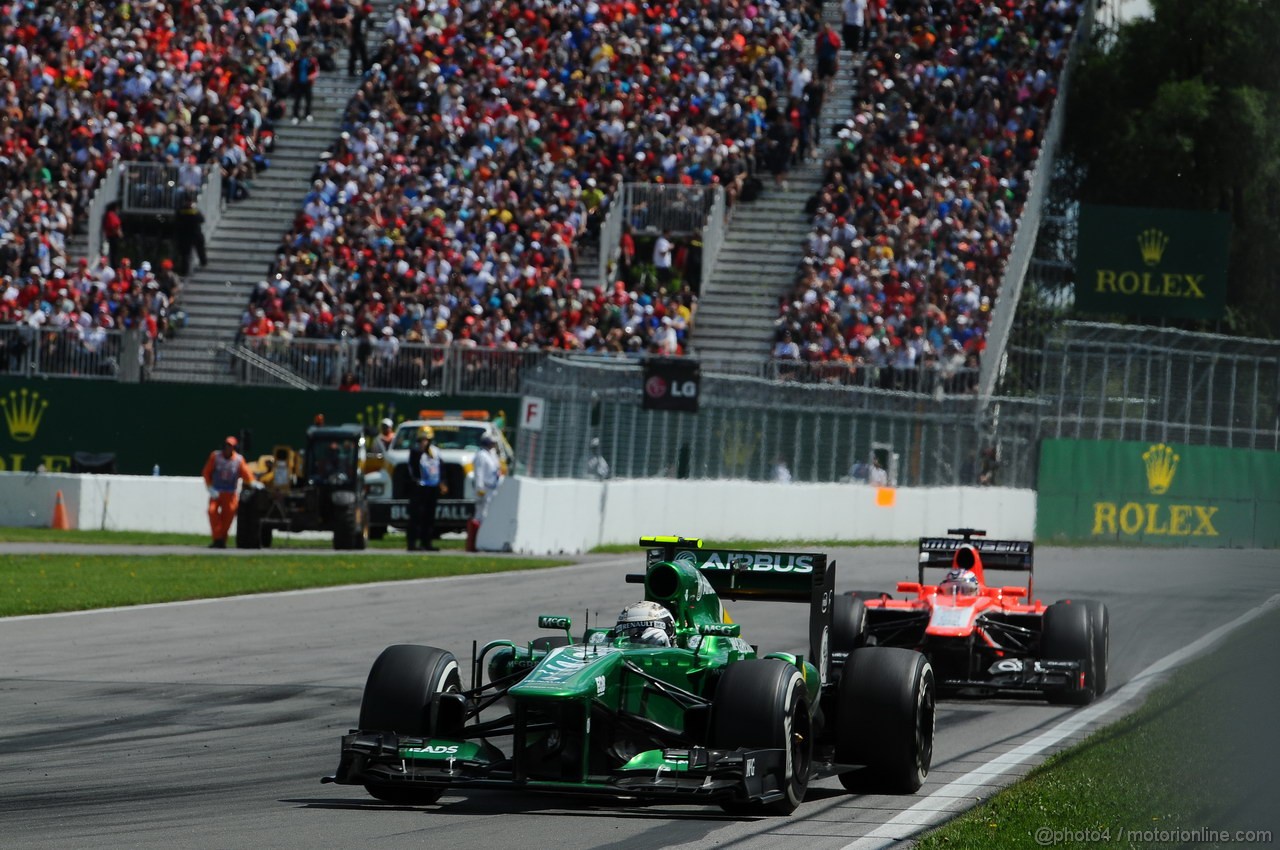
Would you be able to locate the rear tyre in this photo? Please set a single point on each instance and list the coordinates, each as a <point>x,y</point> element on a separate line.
<point>848,624</point>
<point>759,704</point>
<point>887,702</point>
<point>349,528</point>
<point>1067,635</point>
<point>249,522</point>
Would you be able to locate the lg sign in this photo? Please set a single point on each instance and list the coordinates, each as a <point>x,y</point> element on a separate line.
<point>671,384</point>
<point>657,388</point>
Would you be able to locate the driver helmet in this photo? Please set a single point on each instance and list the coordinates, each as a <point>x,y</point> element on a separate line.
<point>959,582</point>
<point>646,623</point>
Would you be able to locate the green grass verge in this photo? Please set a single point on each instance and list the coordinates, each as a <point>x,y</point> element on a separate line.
<point>151,538</point>
<point>1199,754</point>
<point>41,584</point>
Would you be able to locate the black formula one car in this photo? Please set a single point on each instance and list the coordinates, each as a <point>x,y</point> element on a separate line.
<point>701,718</point>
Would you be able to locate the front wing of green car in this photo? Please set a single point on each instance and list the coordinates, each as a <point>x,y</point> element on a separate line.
<point>692,774</point>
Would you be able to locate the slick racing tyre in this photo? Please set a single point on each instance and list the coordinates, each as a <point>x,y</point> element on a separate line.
<point>1101,628</point>
<point>885,720</point>
<point>249,522</point>
<point>400,686</point>
<point>848,623</point>
<point>349,528</point>
<point>763,703</point>
<point>397,698</point>
<point>1068,635</point>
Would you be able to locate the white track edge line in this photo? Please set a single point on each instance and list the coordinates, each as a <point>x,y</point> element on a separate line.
<point>926,814</point>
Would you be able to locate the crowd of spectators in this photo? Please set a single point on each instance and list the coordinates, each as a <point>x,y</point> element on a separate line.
<point>484,143</point>
<point>922,197</point>
<point>85,85</point>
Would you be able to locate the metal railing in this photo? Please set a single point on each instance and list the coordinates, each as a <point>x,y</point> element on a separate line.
<point>746,426</point>
<point>69,352</point>
<point>713,232</point>
<point>108,190</point>
<point>158,187</point>
<point>414,367</point>
<point>1119,382</point>
<point>1024,242</point>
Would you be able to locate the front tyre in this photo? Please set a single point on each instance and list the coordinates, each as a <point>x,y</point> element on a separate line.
<point>886,711</point>
<point>397,698</point>
<point>1068,635</point>
<point>401,686</point>
<point>763,704</point>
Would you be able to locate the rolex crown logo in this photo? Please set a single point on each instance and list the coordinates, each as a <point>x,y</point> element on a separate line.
<point>22,413</point>
<point>1152,243</point>
<point>1161,463</point>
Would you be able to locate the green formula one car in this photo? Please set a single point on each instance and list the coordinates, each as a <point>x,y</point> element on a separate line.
<point>680,709</point>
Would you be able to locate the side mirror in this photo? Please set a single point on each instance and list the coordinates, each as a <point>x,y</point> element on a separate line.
<point>908,587</point>
<point>1013,592</point>
<point>547,621</point>
<point>730,630</point>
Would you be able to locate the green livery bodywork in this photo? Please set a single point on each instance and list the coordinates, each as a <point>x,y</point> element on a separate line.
<point>603,714</point>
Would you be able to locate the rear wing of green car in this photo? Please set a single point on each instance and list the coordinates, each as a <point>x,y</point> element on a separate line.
<point>759,575</point>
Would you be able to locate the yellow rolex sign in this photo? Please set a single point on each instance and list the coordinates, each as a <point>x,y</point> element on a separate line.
<point>1166,494</point>
<point>1152,262</point>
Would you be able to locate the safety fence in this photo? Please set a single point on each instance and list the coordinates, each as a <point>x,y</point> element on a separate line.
<point>751,429</point>
<point>1119,382</point>
<point>72,352</point>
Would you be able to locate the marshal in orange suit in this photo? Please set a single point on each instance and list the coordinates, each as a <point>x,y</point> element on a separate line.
<point>223,472</point>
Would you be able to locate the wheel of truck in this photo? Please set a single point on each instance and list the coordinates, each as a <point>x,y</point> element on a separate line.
<point>397,696</point>
<point>348,529</point>
<point>886,707</point>
<point>1101,627</point>
<point>249,522</point>
<point>763,703</point>
<point>848,623</point>
<point>1067,635</point>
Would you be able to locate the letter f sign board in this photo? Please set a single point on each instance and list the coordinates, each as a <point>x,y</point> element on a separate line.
<point>532,409</point>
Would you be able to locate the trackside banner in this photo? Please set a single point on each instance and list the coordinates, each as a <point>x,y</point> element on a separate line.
<point>1152,262</point>
<point>175,426</point>
<point>1163,494</point>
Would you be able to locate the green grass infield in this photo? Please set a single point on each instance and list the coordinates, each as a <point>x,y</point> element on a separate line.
<point>1193,767</point>
<point>42,584</point>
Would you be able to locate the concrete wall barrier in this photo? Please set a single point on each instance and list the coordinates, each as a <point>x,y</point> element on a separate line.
<point>109,502</point>
<point>539,516</point>
<point>544,516</point>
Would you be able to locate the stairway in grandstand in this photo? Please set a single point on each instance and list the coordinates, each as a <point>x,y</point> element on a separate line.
<point>763,246</point>
<point>244,244</point>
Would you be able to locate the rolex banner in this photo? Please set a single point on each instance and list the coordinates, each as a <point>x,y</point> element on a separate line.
<point>1163,494</point>
<point>1152,262</point>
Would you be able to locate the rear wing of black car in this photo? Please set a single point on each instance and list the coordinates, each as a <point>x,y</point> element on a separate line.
<point>996,554</point>
<point>764,576</point>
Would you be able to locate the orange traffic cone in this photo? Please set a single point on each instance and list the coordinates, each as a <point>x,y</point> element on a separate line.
<point>60,514</point>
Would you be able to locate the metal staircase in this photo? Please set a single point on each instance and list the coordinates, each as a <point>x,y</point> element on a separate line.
<point>764,245</point>
<point>243,246</point>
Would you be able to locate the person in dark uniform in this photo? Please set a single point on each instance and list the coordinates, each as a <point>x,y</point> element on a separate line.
<point>189,230</point>
<point>425,479</point>
<point>356,49</point>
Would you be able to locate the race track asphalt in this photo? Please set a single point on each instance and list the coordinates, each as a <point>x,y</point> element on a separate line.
<point>209,724</point>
